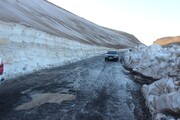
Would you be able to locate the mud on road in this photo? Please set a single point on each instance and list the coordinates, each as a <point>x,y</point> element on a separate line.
<point>90,89</point>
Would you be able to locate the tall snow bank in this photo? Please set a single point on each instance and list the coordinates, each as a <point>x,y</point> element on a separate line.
<point>25,50</point>
<point>154,61</point>
<point>161,64</point>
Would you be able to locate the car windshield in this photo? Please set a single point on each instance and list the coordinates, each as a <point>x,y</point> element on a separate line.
<point>111,52</point>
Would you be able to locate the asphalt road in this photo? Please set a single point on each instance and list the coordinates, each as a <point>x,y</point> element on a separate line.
<point>91,89</point>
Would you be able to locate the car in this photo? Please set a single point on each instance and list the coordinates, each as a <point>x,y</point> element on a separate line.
<point>112,55</point>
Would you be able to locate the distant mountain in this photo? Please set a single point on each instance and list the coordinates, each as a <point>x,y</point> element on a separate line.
<point>47,17</point>
<point>168,40</point>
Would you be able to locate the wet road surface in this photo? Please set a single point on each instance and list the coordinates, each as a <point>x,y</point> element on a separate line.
<point>91,89</point>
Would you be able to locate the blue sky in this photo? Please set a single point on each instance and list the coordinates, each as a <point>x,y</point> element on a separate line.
<point>146,19</point>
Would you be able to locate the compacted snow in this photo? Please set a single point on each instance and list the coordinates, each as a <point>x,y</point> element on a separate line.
<point>24,50</point>
<point>161,65</point>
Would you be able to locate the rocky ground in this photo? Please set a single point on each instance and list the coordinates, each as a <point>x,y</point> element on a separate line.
<point>91,89</point>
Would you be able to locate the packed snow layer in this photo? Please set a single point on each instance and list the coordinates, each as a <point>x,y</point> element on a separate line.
<point>49,18</point>
<point>25,50</point>
<point>161,64</point>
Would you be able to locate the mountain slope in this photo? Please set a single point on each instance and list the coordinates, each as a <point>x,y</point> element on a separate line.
<point>168,40</point>
<point>35,35</point>
<point>49,18</point>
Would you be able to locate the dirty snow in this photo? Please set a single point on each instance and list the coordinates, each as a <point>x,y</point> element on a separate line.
<point>163,65</point>
<point>25,50</point>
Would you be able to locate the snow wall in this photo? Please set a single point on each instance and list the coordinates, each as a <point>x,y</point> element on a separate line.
<point>162,67</point>
<point>25,50</point>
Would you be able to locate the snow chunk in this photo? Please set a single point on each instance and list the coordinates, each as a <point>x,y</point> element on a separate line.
<point>166,92</point>
<point>153,61</point>
<point>162,96</point>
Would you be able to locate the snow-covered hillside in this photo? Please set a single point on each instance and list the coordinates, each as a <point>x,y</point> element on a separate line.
<point>161,66</point>
<point>35,34</point>
<point>49,18</point>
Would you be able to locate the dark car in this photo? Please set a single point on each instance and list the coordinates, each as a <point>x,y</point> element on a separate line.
<point>112,55</point>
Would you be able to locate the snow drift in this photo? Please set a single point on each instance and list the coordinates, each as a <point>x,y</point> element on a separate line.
<point>161,65</point>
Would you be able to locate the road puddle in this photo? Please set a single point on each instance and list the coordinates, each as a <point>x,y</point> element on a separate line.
<point>42,98</point>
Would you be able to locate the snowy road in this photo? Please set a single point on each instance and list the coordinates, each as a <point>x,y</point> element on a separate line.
<point>91,89</point>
